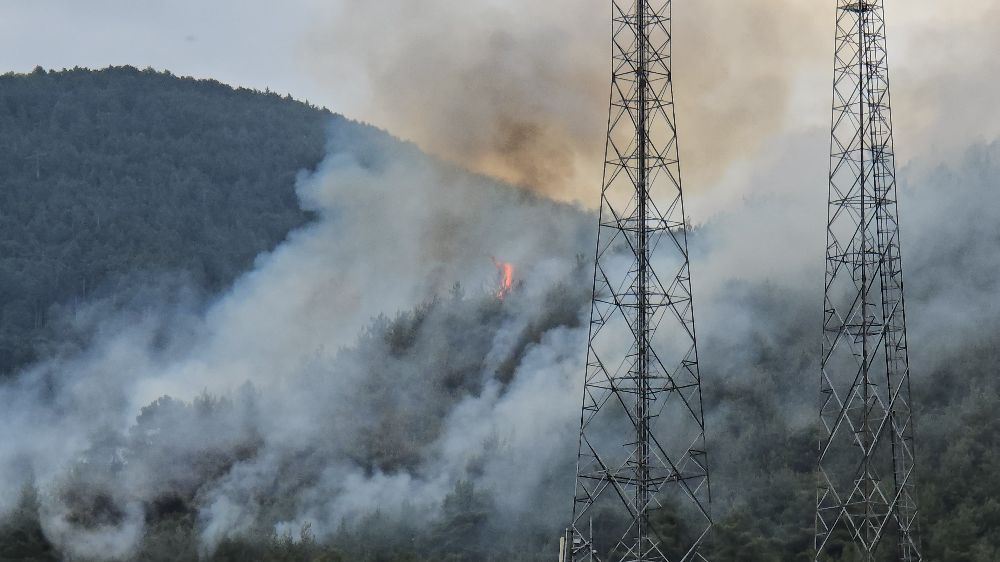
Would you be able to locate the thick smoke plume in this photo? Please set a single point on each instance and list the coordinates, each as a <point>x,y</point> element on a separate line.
<point>367,365</point>
<point>512,88</point>
<point>351,371</point>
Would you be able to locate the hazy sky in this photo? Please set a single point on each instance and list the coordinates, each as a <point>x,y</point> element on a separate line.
<point>518,88</point>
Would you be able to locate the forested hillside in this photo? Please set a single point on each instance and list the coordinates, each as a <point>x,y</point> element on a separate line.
<point>112,177</point>
<point>444,429</point>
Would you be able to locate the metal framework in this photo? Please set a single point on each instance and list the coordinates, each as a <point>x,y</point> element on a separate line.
<point>866,458</point>
<point>642,477</point>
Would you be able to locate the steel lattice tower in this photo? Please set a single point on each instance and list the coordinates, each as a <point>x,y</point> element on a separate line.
<point>866,459</point>
<point>642,477</point>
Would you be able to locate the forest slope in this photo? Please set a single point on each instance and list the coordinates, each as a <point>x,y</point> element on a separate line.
<point>113,180</point>
<point>109,178</point>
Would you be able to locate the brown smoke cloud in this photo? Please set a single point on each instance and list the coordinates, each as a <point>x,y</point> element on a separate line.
<point>518,88</point>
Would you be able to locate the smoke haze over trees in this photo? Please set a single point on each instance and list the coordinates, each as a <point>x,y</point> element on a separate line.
<point>291,346</point>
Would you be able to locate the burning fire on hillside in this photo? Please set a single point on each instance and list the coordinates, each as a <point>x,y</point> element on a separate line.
<point>506,277</point>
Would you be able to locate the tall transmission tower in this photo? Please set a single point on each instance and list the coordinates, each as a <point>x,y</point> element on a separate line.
<point>866,502</point>
<point>642,478</point>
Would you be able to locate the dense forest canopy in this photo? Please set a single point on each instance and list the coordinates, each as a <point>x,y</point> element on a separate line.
<point>116,176</point>
<point>113,181</point>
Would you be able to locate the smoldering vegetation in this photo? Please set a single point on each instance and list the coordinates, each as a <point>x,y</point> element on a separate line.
<point>367,359</point>
<point>362,394</point>
<point>407,441</point>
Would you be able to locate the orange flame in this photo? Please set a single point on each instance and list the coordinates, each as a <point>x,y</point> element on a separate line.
<point>506,277</point>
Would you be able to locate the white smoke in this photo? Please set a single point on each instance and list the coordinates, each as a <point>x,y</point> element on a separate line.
<point>301,444</point>
<point>390,236</point>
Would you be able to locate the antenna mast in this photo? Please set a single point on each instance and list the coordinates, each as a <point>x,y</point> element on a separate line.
<point>866,459</point>
<point>642,475</point>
